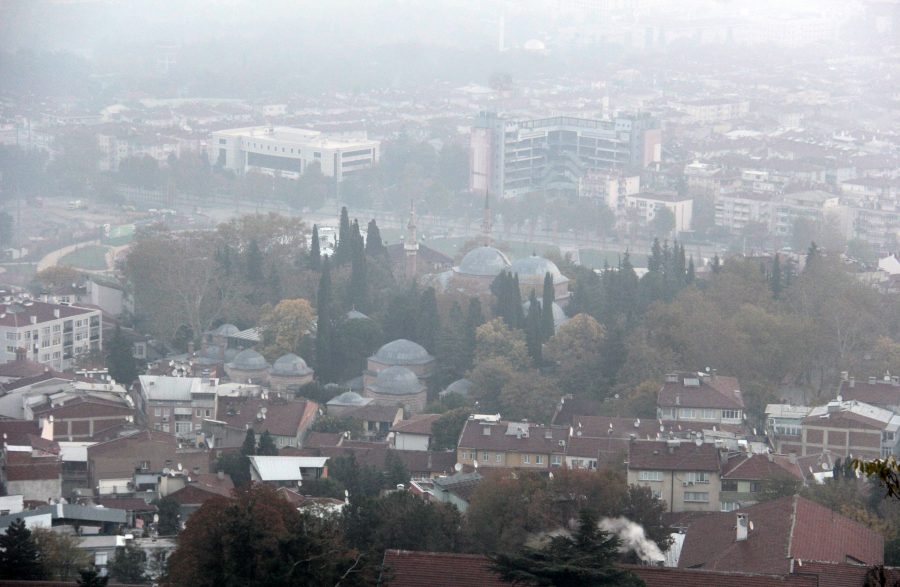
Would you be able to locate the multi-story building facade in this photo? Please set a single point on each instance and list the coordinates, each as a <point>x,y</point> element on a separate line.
<point>736,210</point>
<point>175,404</point>
<point>700,397</point>
<point>684,474</point>
<point>707,110</point>
<point>50,334</point>
<point>848,428</point>
<point>290,151</point>
<point>517,157</point>
<point>512,445</point>
<point>645,207</point>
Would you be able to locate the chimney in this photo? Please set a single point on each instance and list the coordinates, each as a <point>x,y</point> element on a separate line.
<point>852,382</point>
<point>792,457</point>
<point>33,319</point>
<point>742,527</point>
<point>56,312</point>
<point>220,474</point>
<point>21,353</point>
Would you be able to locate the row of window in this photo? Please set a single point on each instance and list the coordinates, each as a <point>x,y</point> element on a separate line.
<point>690,476</point>
<point>200,412</point>
<point>498,458</point>
<point>701,414</point>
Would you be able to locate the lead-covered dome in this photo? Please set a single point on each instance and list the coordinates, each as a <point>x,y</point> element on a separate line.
<point>348,398</point>
<point>483,261</point>
<point>249,360</point>
<point>403,352</point>
<point>290,365</point>
<point>226,330</point>
<point>559,315</point>
<point>534,268</point>
<point>460,387</point>
<point>397,381</point>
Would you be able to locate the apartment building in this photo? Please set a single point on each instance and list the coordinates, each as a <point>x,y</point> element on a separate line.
<point>645,206</point>
<point>700,397</point>
<point>50,334</point>
<point>513,158</point>
<point>706,110</point>
<point>492,442</point>
<point>850,428</point>
<point>290,151</point>
<point>175,404</point>
<point>684,474</point>
<point>736,210</point>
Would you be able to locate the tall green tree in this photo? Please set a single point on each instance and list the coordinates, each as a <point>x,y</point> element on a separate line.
<point>533,330</point>
<point>20,558</point>
<point>91,578</point>
<point>248,448</point>
<point>325,367</point>
<point>446,430</point>
<point>266,445</point>
<point>169,516</point>
<point>129,565</point>
<point>358,289</point>
<point>61,554</point>
<point>315,250</point>
<point>428,321</point>
<point>401,314</point>
<point>344,243</point>
<point>374,243</point>
<point>547,325</point>
<point>453,353</point>
<point>253,261</point>
<point>120,358</point>
<point>775,277</point>
<point>587,558</point>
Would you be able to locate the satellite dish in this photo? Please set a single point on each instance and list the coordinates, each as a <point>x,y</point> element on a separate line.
<point>457,467</point>
<point>475,464</point>
<point>707,369</point>
<point>166,471</point>
<point>346,493</point>
<point>617,396</point>
<point>264,409</point>
<point>825,466</point>
<point>754,432</point>
<point>751,525</point>
<point>551,475</point>
<point>156,518</point>
<point>698,441</point>
<point>662,428</point>
<point>179,466</point>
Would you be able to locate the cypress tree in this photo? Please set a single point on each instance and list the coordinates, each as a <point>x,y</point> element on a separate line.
<point>120,358</point>
<point>474,319</point>
<point>315,252</point>
<point>374,243</point>
<point>427,320</point>
<point>325,368</point>
<point>248,448</point>
<point>533,329</point>
<point>515,302</point>
<point>266,445</point>
<point>775,278</point>
<point>716,264</point>
<point>453,357</point>
<point>359,281</point>
<point>342,249</point>
<point>400,316</point>
<point>691,273</point>
<point>547,325</point>
<point>655,261</point>
<point>254,261</point>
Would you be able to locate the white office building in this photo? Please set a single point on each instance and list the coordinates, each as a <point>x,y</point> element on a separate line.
<point>50,334</point>
<point>290,151</point>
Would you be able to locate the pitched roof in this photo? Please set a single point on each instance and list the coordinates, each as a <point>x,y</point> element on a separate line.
<point>32,380</point>
<point>669,577</point>
<point>84,407</point>
<point>130,504</point>
<point>22,368</point>
<point>569,407</point>
<point>753,467</point>
<point>281,418</point>
<point>17,431</point>
<point>672,456</point>
<point>715,391</point>
<point>787,528</point>
<point>404,568</point>
<point>317,439</point>
<point>426,461</point>
<point>373,413</point>
<point>18,315</point>
<point>271,468</point>
<point>417,424</point>
<point>880,393</point>
<point>513,437</point>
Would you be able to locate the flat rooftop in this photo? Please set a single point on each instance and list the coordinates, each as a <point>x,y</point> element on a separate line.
<point>287,134</point>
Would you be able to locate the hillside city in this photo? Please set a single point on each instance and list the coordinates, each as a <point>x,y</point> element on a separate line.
<point>598,292</point>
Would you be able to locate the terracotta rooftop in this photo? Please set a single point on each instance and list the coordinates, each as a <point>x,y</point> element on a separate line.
<point>317,439</point>
<point>513,437</point>
<point>752,467</point>
<point>882,394</point>
<point>22,368</point>
<point>783,529</point>
<point>417,424</point>
<point>17,431</point>
<point>404,568</point>
<point>282,418</point>
<point>19,315</point>
<point>672,456</point>
<point>711,391</point>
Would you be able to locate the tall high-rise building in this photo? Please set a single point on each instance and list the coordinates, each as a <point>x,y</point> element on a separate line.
<point>511,158</point>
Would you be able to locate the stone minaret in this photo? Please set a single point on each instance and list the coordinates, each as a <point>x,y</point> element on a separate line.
<point>411,243</point>
<point>486,222</point>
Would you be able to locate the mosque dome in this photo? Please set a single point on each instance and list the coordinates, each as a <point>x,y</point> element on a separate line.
<point>397,381</point>
<point>535,268</point>
<point>484,262</point>
<point>249,360</point>
<point>226,330</point>
<point>402,352</point>
<point>348,398</point>
<point>290,365</point>
<point>460,387</point>
<point>559,315</point>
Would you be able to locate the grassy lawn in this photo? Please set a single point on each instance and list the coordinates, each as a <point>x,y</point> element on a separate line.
<point>91,257</point>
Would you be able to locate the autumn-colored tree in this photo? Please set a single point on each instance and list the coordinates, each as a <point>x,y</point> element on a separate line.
<point>284,326</point>
<point>61,553</point>
<point>577,351</point>
<point>504,511</point>
<point>495,340</point>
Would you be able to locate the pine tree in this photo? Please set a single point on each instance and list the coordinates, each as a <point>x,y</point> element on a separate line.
<point>248,448</point>
<point>19,555</point>
<point>374,244</point>
<point>254,262</point>
<point>548,328</point>
<point>533,330</point>
<point>775,278</point>
<point>342,249</point>
<point>315,252</point>
<point>129,565</point>
<point>428,322</point>
<point>655,261</point>
<point>120,358</point>
<point>452,352</point>
<point>266,445</point>
<point>716,264</point>
<point>395,472</point>
<point>325,368</point>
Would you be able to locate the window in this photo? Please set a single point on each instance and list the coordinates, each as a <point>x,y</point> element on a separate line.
<point>688,413</point>
<point>45,343</point>
<point>729,486</point>
<point>698,477</point>
<point>498,458</point>
<point>56,328</point>
<point>101,558</point>
<point>11,336</point>
<point>650,476</point>
<point>539,459</point>
<point>56,355</point>
<point>755,486</point>
<point>485,456</point>
<point>696,496</point>
<point>708,414</point>
<point>526,459</point>
<point>46,331</point>
<point>157,412</point>
<point>556,460</point>
<point>198,412</point>
<point>10,349</point>
<point>729,506</point>
<point>731,414</point>
<point>208,413</point>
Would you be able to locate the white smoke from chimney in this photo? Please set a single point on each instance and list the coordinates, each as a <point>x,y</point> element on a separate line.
<point>633,538</point>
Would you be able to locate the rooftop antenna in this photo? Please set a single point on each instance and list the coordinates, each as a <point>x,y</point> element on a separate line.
<point>457,467</point>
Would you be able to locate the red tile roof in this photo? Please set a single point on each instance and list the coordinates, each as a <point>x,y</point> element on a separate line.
<point>417,424</point>
<point>879,394</point>
<point>717,391</point>
<point>652,455</point>
<point>22,368</point>
<point>17,431</point>
<point>26,381</point>
<point>668,577</point>
<point>282,418</point>
<point>785,528</point>
<point>753,467</point>
<point>503,437</point>
<point>317,439</point>
<point>20,314</point>
<point>404,568</point>
<point>84,407</point>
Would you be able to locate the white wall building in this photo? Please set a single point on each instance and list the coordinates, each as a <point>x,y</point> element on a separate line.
<point>50,334</point>
<point>646,204</point>
<point>289,151</point>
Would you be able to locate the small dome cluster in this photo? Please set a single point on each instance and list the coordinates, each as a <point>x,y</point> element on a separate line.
<point>483,262</point>
<point>402,352</point>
